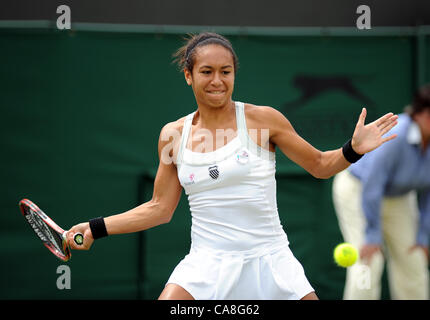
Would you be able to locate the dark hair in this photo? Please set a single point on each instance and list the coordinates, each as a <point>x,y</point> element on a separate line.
<point>420,101</point>
<point>185,55</point>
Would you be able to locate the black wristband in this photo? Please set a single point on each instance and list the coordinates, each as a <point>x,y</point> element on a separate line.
<point>349,153</point>
<point>98,228</point>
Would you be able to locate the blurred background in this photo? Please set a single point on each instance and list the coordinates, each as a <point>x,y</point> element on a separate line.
<point>82,109</point>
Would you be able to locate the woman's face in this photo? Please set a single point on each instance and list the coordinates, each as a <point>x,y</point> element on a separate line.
<point>212,77</point>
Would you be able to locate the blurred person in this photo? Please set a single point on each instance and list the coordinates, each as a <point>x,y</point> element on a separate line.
<point>239,249</point>
<point>382,204</point>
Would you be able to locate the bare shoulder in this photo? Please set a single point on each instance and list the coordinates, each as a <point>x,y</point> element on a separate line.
<point>176,125</point>
<point>169,140</point>
<point>172,130</point>
<point>262,116</point>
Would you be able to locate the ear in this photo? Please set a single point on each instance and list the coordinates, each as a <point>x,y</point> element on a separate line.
<point>188,77</point>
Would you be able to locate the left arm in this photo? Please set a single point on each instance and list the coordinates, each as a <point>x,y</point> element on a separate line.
<point>326,164</point>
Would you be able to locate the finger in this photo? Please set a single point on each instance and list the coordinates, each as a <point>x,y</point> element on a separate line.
<point>384,118</point>
<point>76,246</point>
<point>69,237</point>
<point>388,122</point>
<point>388,128</point>
<point>393,136</point>
<point>65,237</point>
<point>362,117</point>
<point>70,241</point>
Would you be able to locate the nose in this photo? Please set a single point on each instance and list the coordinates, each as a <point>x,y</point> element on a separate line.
<point>216,80</point>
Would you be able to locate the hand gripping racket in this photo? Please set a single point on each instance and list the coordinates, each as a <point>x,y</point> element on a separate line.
<point>52,236</point>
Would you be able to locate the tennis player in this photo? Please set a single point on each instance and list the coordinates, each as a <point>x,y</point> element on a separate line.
<point>239,249</point>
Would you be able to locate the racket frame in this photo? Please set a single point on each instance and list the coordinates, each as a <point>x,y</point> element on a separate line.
<point>34,209</point>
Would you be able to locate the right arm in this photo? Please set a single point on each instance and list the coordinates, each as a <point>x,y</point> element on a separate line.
<point>320,164</point>
<point>157,211</point>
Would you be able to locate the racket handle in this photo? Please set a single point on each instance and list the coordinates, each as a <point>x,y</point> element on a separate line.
<point>78,238</point>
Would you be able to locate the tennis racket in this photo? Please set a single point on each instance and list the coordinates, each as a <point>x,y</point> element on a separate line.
<point>52,236</point>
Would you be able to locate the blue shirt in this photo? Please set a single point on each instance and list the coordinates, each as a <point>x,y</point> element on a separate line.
<point>394,169</point>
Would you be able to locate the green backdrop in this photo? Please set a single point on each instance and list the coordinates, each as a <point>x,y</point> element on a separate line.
<point>80,117</point>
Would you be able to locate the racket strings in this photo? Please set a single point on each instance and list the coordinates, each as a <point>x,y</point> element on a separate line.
<point>48,235</point>
<point>58,240</point>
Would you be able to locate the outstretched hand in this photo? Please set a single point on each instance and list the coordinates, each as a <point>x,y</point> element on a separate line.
<point>369,137</point>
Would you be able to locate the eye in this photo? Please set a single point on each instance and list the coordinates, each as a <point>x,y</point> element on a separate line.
<point>206,71</point>
<point>226,72</point>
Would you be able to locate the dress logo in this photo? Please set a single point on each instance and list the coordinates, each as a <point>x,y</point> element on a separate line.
<point>242,157</point>
<point>213,172</point>
<point>191,179</point>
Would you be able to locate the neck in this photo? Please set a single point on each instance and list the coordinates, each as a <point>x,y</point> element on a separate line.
<point>215,117</point>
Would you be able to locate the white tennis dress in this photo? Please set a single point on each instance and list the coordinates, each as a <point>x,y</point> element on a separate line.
<point>239,249</point>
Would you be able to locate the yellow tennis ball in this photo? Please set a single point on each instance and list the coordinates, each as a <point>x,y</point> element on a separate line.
<point>345,254</point>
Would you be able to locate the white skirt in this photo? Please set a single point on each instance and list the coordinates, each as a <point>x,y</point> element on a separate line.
<point>268,274</point>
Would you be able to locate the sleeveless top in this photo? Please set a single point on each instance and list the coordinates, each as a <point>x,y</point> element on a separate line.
<point>231,193</point>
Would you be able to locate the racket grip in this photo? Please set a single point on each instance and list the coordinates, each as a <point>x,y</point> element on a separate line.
<point>78,238</point>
